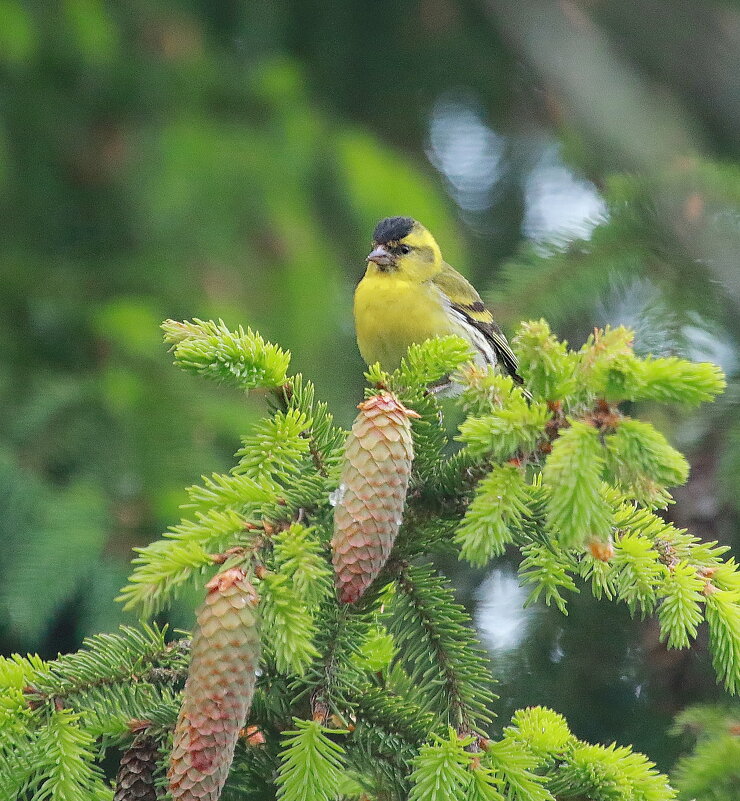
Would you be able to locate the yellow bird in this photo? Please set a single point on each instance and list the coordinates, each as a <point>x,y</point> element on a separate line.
<point>410,294</point>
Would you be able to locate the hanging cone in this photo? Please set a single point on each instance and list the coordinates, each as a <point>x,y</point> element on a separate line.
<point>372,492</point>
<point>219,689</point>
<point>135,780</point>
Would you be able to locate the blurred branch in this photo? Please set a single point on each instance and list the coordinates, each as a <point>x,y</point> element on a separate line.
<point>636,124</point>
<point>594,84</point>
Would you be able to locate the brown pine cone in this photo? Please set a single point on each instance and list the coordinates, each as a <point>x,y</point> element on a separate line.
<point>219,688</point>
<point>372,492</point>
<point>135,780</point>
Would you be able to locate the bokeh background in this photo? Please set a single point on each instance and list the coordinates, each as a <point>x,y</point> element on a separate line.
<point>577,159</point>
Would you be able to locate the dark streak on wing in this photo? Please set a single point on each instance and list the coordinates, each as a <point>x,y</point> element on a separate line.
<point>494,335</point>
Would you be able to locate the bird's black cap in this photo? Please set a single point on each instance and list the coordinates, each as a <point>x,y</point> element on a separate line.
<point>392,229</point>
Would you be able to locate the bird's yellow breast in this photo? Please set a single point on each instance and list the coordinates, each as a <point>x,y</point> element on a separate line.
<point>392,313</point>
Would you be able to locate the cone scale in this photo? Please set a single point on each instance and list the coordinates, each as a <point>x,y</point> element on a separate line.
<point>219,688</point>
<point>135,779</point>
<point>372,493</point>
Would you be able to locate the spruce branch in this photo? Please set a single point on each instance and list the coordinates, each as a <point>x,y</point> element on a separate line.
<point>609,773</point>
<point>515,427</point>
<point>548,364</point>
<point>642,463</point>
<point>680,611</point>
<point>311,764</point>
<point>548,569</point>
<point>220,492</point>
<point>291,597</point>
<point>68,754</point>
<point>712,768</point>
<point>495,515</point>
<point>545,733</point>
<point>288,626</point>
<point>637,572</point>
<point>564,476</point>
<point>382,760</point>
<point>396,714</point>
<point>441,770</point>
<point>275,448</point>
<point>427,363</point>
<point>241,358</point>
<point>133,655</point>
<point>164,567</point>
<point>108,710</point>
<point>723,617</point>
<point>332,680</point>
<point>577,510</point>
<point>324,437</point>
<point>607,367</point>
<point>440,652</point>
<point>678,381</point>
<point>514,767</point>
<point>298,554</point>
<point>54,758</point>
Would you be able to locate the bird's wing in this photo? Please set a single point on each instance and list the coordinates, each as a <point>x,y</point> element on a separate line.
<point>466,301</point>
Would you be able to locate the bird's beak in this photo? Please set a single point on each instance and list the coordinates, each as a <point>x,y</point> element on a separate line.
<point>380,256</point>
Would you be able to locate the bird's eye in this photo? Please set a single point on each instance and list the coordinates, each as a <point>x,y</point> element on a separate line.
<point>404,249</point>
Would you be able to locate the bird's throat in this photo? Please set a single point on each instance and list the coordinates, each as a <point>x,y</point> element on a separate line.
<point>391,313</point>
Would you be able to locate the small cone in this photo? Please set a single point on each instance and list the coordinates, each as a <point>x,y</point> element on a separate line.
<point>372,493</point>
<point>135,780</point>
<point>219,689</point>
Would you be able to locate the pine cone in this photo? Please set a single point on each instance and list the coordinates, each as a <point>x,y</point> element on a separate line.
<point>372,492</point>
<point>135,780</point>
<point>219,688</point>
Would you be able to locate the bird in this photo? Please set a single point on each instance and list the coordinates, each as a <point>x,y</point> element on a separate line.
<point>409,294</point>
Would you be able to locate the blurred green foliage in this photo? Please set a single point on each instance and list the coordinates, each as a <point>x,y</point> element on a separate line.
<point>711,770</point>
<point>155,166</point>
<point>179,159</point>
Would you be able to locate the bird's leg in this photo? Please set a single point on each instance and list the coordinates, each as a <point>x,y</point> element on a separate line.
<point>440,386</point>
<point>445,388</point>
